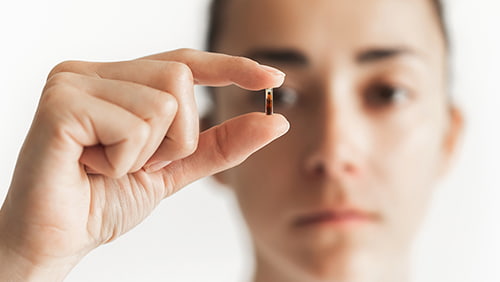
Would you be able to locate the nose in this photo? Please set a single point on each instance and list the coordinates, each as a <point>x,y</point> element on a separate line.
<point>333,147</point>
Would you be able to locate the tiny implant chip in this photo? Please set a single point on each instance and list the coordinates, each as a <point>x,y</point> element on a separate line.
<point>269,101</point>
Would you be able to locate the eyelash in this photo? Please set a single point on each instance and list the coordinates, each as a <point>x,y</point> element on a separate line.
<point>381,95</point>
<point>376,96</point>
<point>285,97</point>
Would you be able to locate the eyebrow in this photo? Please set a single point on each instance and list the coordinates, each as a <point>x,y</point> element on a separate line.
<point>374,55</point>
<point>279,56</point>
<point>293,57</point>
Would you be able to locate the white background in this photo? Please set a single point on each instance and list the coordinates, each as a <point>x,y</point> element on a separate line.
<point>196,235</point>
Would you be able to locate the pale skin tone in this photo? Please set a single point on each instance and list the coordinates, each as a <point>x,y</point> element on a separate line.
<point>372,130</point>
<point>88,171</point>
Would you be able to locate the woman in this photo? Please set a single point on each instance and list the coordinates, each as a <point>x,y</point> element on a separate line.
<point>336,199</point>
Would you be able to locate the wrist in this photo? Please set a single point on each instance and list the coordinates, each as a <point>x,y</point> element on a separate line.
<point>18,266</point>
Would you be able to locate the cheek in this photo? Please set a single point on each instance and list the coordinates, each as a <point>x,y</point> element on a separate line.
<point>409,153</point>
<point>405,159</point>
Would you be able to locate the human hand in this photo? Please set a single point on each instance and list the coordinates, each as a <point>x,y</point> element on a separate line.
<point>121,121</point>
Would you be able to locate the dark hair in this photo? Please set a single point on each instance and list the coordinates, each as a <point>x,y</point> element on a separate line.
<point>217,11</point>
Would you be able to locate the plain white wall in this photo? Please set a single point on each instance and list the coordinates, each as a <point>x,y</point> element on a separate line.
<point>197,235</point>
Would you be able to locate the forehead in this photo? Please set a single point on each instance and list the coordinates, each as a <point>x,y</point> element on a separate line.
<point>329,26</point>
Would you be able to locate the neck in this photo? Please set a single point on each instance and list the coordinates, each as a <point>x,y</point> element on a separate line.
<point>395,269</point>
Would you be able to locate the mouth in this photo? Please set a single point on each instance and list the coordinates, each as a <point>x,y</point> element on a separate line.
<point>337,218</point>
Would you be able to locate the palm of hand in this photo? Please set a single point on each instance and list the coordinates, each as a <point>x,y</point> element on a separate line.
<point>76,212</point>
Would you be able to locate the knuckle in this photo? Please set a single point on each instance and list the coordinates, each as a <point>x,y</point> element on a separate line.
<point>61,78</point>
<point>189,146</point>
<point>183,147</point>
<point>56,118</point>
<point>181,71</point>
<point>184,52</point>
<point>141,131</point>
<point>66,66</point>
<point>57,84</point>
<point>165,105</point>
<point>174,75</point>
<point>221,152</point>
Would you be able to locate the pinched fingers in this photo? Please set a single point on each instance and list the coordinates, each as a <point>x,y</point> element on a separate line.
<point>223,147</point>
<point>175,73</point>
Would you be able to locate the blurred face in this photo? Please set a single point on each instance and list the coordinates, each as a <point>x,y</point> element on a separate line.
<point>340,196</point>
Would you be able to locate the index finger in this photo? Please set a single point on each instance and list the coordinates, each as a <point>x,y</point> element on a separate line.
<point>214,69</point>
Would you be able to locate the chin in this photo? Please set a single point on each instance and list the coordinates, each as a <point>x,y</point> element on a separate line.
<point>342,261</point>
<point>341,267</point>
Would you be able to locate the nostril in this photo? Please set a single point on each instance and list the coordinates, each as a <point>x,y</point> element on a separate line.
<point>354,170</point>
<point>349,168</point>
<point>319,169</point>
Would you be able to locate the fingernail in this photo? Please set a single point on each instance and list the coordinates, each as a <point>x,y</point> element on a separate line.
<point>285,128</point>
<point>272,70</point>
<point>154,167</point>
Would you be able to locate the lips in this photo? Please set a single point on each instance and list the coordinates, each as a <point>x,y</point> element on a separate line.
<point>336,218</point>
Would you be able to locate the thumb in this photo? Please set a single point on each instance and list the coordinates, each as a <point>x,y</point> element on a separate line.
<point>223,147</point>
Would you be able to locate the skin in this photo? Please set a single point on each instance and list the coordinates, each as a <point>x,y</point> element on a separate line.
<point>93,164</point>
<point>350,146</point>
<point>109,141</point>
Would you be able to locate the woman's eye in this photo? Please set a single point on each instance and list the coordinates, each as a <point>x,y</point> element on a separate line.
<point>285,97</point>
<point>385,95</point>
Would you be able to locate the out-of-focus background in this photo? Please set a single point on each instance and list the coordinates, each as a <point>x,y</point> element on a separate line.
<point>197,234</point>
